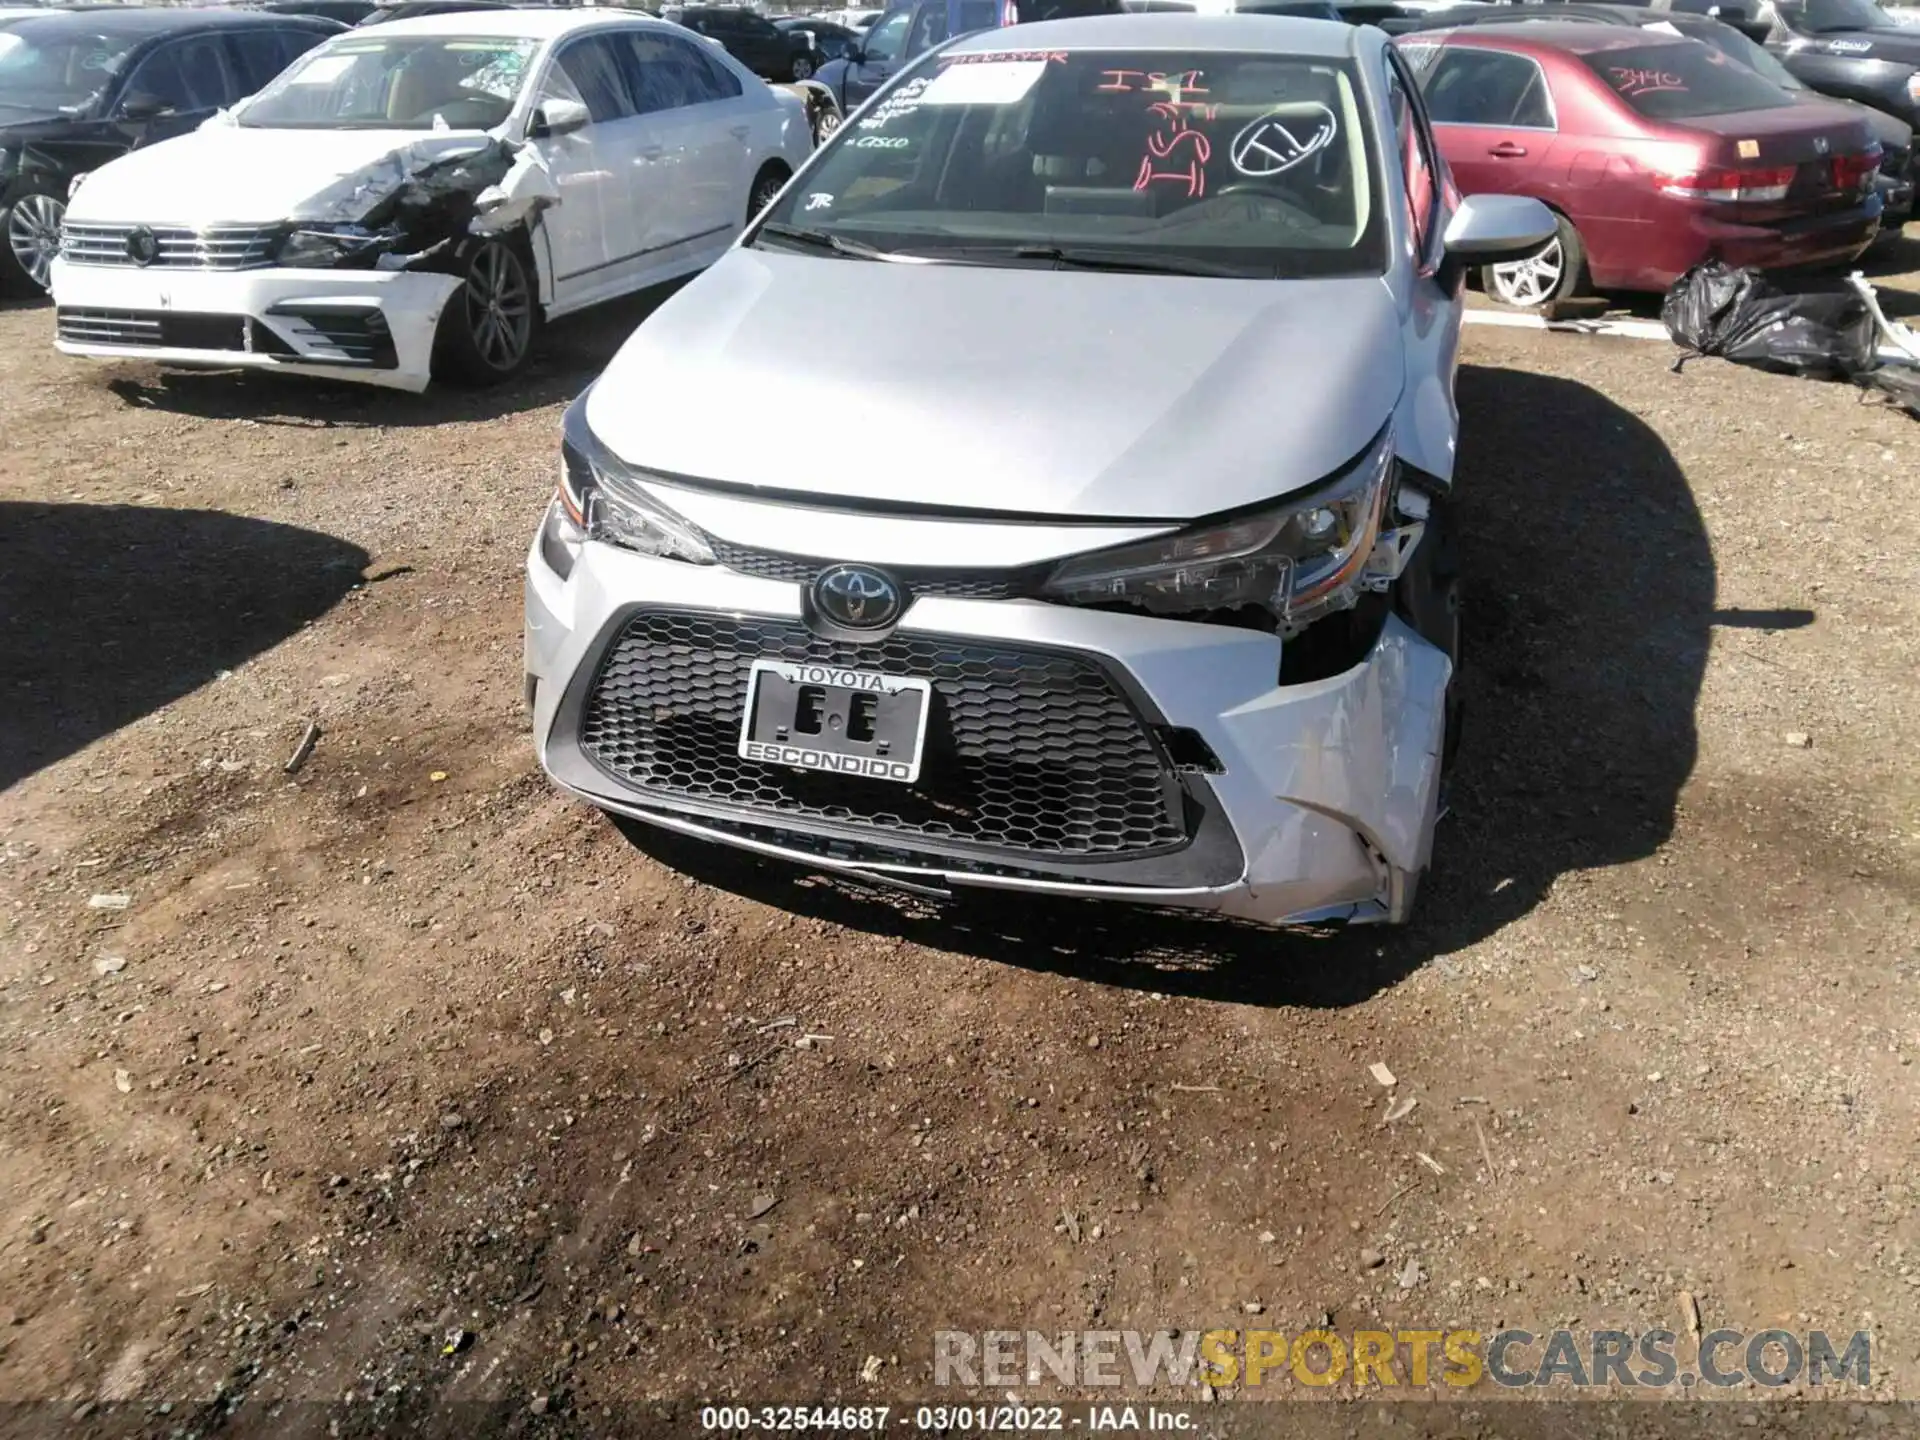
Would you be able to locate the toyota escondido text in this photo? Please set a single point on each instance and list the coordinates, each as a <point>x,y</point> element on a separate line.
<point>1133,576</point>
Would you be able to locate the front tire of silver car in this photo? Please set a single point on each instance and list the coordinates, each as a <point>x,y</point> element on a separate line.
<point>824,127</point>
<point>1554,273</point>
<point>488,327</point>
<point>32,240</point>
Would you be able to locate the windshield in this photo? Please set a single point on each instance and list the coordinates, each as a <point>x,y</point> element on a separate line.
<point>65,73</point>
<point>1237,163</point>
<point>1744,51</point>
<point>1683,81</point>
<point>373,82</point>
<point>1820,17</point>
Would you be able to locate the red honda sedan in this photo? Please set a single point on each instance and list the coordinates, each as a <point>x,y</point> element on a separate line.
<point>1656,151</point>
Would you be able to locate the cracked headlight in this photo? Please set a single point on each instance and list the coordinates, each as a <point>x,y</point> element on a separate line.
<point>601,498</point>
<point>1296,560</point>
<point>328,247</point>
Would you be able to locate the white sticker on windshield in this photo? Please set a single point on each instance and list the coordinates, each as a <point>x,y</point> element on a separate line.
<point>322,70</point>
<point>998,82</point>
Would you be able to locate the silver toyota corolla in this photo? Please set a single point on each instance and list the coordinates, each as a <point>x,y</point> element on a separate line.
<point>1113,558</point>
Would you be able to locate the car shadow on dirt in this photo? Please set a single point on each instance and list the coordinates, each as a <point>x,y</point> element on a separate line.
<point>1587,617</point>
<point>567,356</point>
<point>108,612</point>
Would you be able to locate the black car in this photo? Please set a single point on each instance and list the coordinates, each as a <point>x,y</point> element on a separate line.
<point>1895,181</point>
<point>755,41</point>
<point>79,87</point>
<point>346,12</point>
<point>827,40</point>
<point>1851,49</point>
<point>1749,17</point>
<point>415,9</point>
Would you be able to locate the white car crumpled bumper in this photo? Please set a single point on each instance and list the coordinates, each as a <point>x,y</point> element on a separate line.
<point>375,327</point>
<point>1307,802</point>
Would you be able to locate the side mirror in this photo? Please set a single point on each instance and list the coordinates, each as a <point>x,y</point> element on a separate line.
<point>141,106</point>
<point>558,117</point>
<point>1496,229</point>
<point>856,54</point>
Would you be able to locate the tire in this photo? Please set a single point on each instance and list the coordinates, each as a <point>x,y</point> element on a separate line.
<point>1553,274</point>
<point>766,185</point>
<point>489,325</point>
<point>31,230</point>
<point>828,122</point>
<point>803,67</point>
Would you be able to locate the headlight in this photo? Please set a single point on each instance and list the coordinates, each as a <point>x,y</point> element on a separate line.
<point>7,161</point>
<point>1913,88</point>
<point>1297,560</point>
<point>324,247</point>
<point>73,185</point>
<point>601,496</point>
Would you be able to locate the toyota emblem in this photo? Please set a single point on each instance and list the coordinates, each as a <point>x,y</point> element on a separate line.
<point>857,597</point>
<point>143,246</point>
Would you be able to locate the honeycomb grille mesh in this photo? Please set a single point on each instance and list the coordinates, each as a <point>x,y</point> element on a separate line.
<point>1027,751</point>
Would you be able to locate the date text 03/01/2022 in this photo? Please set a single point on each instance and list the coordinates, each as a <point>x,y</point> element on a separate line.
<point>944,1419</point>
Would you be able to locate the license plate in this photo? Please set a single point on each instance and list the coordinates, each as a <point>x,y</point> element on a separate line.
<point>824,717</point>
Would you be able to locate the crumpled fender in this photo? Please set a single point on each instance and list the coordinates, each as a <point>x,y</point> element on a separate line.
<point>517,198</point>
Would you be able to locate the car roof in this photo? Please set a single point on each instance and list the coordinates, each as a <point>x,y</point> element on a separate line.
<point>528,23</point>
<point>1290,35</point>
<point>1572,36</point>
<point>136,22</point>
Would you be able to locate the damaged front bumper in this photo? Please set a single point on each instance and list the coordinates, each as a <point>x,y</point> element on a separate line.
<point>1301,803</point>
<point>372,326</point>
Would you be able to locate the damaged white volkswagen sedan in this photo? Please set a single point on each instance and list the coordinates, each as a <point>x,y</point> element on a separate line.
<point>415,199</point>
<point>1130,573</point>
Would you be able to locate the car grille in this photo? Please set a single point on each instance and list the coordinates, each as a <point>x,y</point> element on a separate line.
<point>968,584</point>
<point>216,247</point>
<point>168,329</point>
<point>1026,750</point>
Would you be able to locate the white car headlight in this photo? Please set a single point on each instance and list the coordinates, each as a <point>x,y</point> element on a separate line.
<point>601,499</point>
<point>1296,560</point>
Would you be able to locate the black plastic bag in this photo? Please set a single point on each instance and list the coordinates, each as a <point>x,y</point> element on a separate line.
<point>1821,332</point>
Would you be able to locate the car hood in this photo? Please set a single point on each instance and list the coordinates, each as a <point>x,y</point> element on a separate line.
<point>1038,391</point>
<point>1899,46</point>
<point>227,174</point>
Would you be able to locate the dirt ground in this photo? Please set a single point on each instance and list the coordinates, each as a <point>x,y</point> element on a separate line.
<point>405,1080</point>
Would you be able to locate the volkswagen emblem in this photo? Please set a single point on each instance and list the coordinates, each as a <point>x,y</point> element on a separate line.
<point>857,597</point>
<point>143,247</point>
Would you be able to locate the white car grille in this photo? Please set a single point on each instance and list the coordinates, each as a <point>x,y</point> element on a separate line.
<point>173,247</point>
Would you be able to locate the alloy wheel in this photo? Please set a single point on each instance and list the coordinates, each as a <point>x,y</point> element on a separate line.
<point>829,123</point>
<point>33,234</point>
<point>499,307</point>
<point>1533,280</point>
<point>802,68</point>
<point>764,189</point>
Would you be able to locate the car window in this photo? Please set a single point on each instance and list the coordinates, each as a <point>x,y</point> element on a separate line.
<point>263,54</point>
<point>592,71</point>
<point>722,83</point>
<point>667,73</point>
<point>885,40</point>
<point>185,76</point>
<point>371,80</point>
<point>1471,86</point>
<point>1683,81</point>
<point>1820,17</point>
<point>1244,162</point>
<point>1415,153</point>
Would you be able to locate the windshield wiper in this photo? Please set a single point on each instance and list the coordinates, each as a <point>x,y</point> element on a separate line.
<point>1141,262</point>
<point>821,240</point>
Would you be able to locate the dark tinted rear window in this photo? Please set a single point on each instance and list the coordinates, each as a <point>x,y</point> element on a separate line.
<point>1684,81</point>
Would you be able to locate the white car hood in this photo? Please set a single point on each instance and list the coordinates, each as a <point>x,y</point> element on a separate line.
<point>228,174</point>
